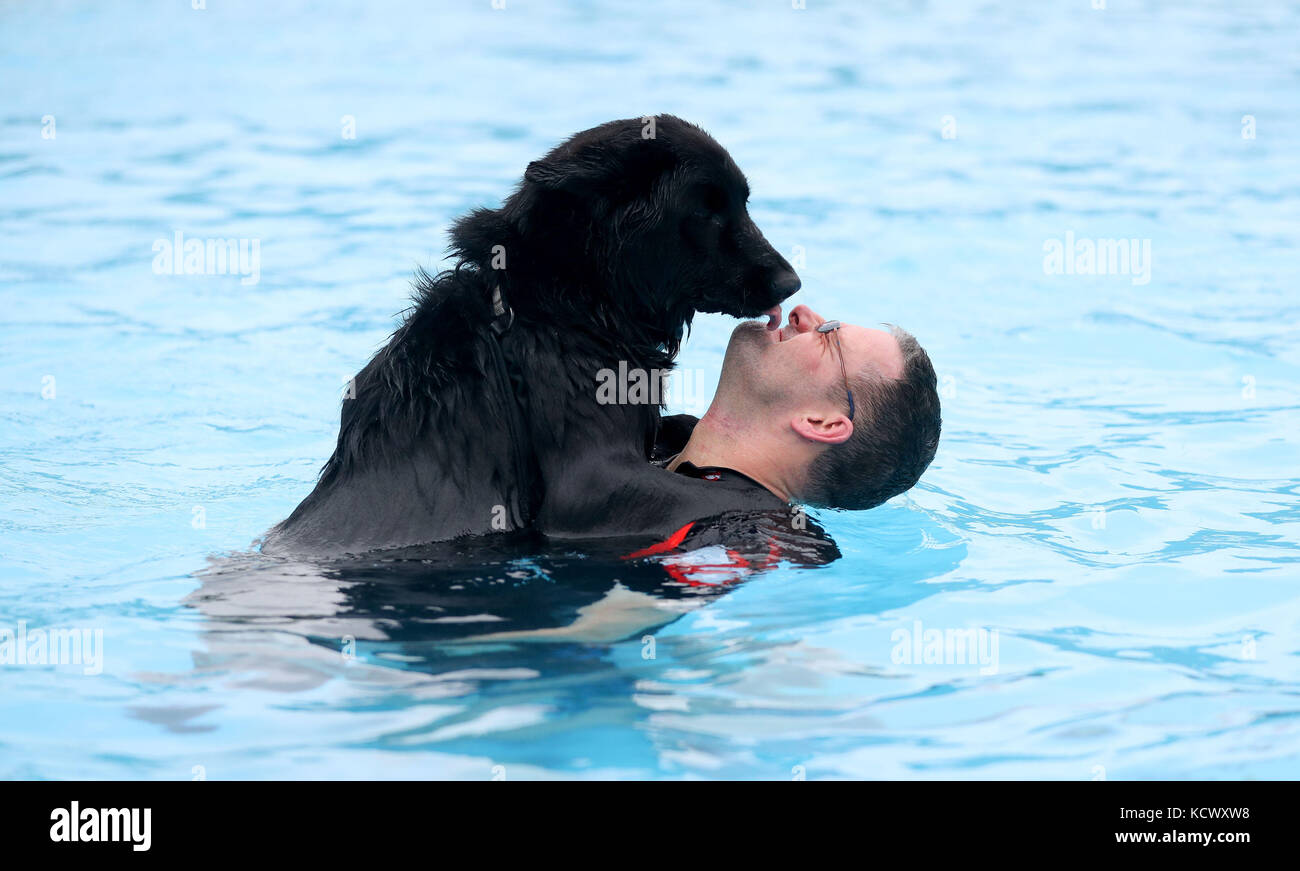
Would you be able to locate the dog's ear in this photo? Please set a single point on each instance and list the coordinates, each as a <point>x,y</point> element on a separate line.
<point>612,169</point>
<point>571,172</point>
<point>544,173</point>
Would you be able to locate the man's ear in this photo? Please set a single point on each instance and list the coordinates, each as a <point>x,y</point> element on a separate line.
<point>827,429</point>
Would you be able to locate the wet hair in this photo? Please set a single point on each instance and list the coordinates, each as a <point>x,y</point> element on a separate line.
<point>895,435</point>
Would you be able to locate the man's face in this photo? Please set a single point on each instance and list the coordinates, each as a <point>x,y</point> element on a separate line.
<point>795,368</point>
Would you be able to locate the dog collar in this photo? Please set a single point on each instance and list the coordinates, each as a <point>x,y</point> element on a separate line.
<point>503,316</point>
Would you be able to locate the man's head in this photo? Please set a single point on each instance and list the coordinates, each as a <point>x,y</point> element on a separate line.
<point>786,389</point>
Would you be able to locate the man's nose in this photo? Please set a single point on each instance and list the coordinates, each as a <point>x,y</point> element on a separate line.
<point>804,319</point>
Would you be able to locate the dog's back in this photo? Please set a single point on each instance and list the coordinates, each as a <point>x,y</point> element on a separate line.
<point>422,452</point>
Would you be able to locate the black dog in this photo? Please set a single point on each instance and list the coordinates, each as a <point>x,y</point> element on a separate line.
<point>481,413</point>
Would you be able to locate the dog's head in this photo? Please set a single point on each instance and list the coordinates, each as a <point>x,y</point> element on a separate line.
<point>659,208</point>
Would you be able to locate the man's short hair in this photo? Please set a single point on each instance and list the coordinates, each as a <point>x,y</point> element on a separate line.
<point>895,436</point>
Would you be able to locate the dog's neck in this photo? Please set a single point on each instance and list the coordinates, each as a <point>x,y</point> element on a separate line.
<point>566,288</point>
<point>578,304</point>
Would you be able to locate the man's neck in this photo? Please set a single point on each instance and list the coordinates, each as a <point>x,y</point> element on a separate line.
<point>728,442</point>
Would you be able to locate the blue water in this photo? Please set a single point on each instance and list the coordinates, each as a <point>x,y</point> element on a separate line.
<point>1117,493</point>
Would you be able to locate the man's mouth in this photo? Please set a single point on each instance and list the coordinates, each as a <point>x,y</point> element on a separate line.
<point>772,330</point>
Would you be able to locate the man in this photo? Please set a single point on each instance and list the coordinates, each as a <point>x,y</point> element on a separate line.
<point>815,412</point>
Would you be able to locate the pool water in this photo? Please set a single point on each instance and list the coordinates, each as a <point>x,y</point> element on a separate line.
<point>1114,512</point>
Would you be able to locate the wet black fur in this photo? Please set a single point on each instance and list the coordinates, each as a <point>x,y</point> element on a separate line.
<point>612,242</point>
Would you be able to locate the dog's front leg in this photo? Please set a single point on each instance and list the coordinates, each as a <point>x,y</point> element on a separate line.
<point>674,432</point>
<point>631,497</point>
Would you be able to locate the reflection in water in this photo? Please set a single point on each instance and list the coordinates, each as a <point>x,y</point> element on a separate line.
<point>512,630</point>
<point>489,589</point>
<point>495,639</point>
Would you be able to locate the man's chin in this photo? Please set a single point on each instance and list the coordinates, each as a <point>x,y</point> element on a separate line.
<point>748,342</point>
<point>761,333</point>
<point>745,369</point>
<point>753,333</point>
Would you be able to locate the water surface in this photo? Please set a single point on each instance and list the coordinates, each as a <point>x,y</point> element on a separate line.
<point>1115,494</point>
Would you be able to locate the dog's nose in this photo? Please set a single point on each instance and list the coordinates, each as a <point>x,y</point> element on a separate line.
<point>785,283</point>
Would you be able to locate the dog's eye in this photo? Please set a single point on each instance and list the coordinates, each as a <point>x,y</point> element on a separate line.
<point>711,206</point>
<point>711,220</point>
<point>714,200</point>
<point>707,220</point>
